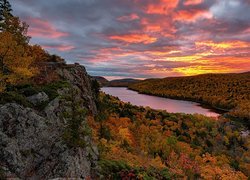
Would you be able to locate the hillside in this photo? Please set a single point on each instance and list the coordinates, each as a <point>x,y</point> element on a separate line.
<point>115,83</point>
<point>102,81</point>
<point>56,124</point>
<point>141,143</point>
<point>225,91</point>
<point>122,82</point>
<point>64,128</point>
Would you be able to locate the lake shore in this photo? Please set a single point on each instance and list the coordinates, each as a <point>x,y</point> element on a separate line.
<point>161,103</point>
<point>202,103</point>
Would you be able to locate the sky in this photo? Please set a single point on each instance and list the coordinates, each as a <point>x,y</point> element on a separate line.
<point>142,38</point>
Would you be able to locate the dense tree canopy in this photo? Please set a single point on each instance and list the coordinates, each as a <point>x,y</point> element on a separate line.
<point>19,61</point>
<point>14,61</point>
<point>149,144</point>
<point>226,91</point>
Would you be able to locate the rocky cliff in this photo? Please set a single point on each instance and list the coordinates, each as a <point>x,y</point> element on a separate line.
<point>32,144</point>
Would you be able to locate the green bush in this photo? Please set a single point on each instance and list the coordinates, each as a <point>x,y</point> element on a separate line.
<point>235,164</point>
<point>51,89</point>
<point>165,174</point>
<point>29,91</point>
<point>104,132</point>
<point>112,168</point>
<point>75,114</point>
<point>25,89</point>
<point>12,96</point>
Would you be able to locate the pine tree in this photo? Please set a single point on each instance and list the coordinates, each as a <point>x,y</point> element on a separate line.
<point>5,10</point>
<point>75,114</point>
<point>12,24</point>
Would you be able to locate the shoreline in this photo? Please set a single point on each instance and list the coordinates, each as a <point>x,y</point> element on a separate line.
<point>202,104</point>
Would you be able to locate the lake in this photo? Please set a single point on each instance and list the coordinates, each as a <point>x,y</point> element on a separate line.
<point>160,103</point>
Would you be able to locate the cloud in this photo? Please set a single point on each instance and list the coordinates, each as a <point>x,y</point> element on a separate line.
<point>192,15</point>
<point>192,2</point>
<point>130,17</point>
<point>143,38</point>
<point>59,47</point>
<point>161,6</point>
<point>44,29</point>
<point>134,38</point>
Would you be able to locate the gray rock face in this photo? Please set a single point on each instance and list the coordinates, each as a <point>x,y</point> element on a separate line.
<point>31,141</point>
<point>32,145</point>
<point>78,77</point>
<point>38,98</point>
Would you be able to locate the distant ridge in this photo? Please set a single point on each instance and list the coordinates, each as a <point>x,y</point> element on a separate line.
<point>102,81</point>
<point>115,83</point>
<point>123,82</point>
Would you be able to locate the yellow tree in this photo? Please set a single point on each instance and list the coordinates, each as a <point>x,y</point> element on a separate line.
<point>15,63</point>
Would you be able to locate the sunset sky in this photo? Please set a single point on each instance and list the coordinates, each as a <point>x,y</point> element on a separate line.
<point>143,38</point>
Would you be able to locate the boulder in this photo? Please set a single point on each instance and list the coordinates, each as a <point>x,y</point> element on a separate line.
<point>38,98</point>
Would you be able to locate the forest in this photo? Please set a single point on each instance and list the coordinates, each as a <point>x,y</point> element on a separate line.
<point>136,142</point>
<point>21,62</point>
<point>139,143</point>
<point>230,92</point>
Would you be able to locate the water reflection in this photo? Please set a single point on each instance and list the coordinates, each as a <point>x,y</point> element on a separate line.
<point>154,102</point>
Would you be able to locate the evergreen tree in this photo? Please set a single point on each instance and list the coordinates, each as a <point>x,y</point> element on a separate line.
<point>5,10</point>
<point>12,24</point>
<point>76,128</point>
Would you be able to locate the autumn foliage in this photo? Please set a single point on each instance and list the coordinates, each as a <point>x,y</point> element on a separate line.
<point>15,61</point>
<point>15,58</point>
<point>223,91</point>
<point>140,143</point>
<point>20,61</point>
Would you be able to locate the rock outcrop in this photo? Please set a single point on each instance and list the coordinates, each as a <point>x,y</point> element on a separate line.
<point>79,79</point>
<point>38,98</point>
<point>31,140</point>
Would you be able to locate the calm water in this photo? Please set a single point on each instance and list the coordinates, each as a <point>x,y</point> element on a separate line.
<point>155,102</point>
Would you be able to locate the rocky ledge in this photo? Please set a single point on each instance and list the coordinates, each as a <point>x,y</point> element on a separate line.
<point>31,141</point>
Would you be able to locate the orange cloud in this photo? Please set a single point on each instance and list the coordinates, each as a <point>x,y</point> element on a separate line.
<point>130,17</point>
<point>223,45</point>
<point>217,64</point>
<point>44,29</point>
<point>113,51</point>
<point>151,26</point>
<point>59,47</point>
<point>163,7</point>
<point>191,15</point>
<point>163,28</point>
<point>162,53</point>
<point>192,2</point>
<point>134,38</point>
<point>195,70</point>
